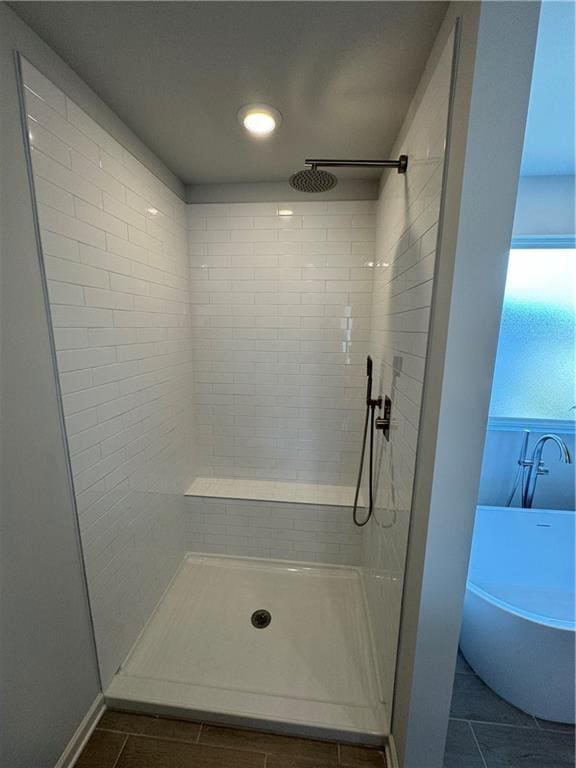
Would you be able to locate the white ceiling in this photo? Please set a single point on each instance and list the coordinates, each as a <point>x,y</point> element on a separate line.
<point>341,73</point>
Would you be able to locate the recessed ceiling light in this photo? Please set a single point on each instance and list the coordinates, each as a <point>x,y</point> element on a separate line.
<point>285,212</point>
<point>259,119</point>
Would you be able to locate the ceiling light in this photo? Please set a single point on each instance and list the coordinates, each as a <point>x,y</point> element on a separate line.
<point>259,119</point>
<point>285,212</point>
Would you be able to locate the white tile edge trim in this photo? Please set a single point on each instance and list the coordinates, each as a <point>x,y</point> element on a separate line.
<point>267,491</point>
<point>78,741</point>
<point>374,645</point>
<point>390,752</point>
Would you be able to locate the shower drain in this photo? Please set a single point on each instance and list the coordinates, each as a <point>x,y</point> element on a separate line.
<point>260,619</point>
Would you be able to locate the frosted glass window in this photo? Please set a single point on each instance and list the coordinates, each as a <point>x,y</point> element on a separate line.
<point>536,360</point>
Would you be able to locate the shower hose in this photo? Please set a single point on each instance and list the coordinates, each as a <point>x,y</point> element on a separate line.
<point>371,406</point>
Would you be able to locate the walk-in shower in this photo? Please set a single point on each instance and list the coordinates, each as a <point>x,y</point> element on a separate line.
<point>225,370</point>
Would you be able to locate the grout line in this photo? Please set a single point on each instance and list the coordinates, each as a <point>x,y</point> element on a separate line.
<point>546,729</point>
<point>157,737</point>
<point>240,749</point>
<point>537,724</point>
<point>478,745</point>
<point>404,311</point>
<point>495,722</point>
<point>119,755</point>
<point>149,736</point>
<point>249,750</point>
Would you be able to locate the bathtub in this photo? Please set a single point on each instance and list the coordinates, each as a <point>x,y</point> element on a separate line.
<point>518,629</point>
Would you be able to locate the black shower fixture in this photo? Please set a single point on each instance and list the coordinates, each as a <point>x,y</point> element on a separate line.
<point>314,180</point>
<point>381,423</point>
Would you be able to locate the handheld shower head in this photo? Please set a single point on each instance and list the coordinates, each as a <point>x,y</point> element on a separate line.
<point>369,382</point>
<point>313,180</point>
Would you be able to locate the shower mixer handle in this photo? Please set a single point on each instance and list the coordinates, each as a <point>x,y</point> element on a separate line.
<point>384,422</point>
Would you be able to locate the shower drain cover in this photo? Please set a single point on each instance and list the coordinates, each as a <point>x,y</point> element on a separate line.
<point>260,619</point>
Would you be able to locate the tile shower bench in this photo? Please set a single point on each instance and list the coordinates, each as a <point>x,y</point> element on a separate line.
<point>261,518</point>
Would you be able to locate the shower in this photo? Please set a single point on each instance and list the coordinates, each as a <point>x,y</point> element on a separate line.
<point>314,180</point>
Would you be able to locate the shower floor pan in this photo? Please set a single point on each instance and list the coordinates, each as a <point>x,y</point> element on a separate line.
<point>311,670</point>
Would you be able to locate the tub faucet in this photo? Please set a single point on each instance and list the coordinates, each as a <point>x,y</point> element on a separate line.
<point>537,467</point>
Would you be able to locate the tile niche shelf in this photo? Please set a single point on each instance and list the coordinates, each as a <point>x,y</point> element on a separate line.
<point>268,490</point>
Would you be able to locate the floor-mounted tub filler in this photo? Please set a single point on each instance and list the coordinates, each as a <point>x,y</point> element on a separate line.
<point>518,629</point>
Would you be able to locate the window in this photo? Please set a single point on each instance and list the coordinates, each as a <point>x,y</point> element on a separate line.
<point>536,360</point>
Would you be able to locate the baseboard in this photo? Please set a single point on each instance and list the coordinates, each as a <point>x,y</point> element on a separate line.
<point>83,733</point>
<point>391,754</point>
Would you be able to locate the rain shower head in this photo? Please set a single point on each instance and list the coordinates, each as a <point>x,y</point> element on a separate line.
<point>314,180</point>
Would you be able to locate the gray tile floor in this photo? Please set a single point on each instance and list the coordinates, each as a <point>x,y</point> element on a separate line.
<point>487,732</point>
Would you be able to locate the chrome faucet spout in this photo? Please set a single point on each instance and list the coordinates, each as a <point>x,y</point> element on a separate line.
<point>536,466</point>
<point>562,448</point>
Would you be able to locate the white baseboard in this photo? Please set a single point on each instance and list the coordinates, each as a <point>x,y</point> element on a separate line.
<point>83,733</point>
<point>391,754</point>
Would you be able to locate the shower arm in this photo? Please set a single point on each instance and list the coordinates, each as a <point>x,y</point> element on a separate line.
<point>401,164</point>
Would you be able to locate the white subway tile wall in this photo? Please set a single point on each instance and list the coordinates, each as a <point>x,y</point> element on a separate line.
<point>269,529</point>
<point>407,228</point>
<point>281,298</point>
<point>114,243</point>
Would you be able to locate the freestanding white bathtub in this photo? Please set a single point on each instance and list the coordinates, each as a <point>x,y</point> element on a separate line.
<point>518,628</point>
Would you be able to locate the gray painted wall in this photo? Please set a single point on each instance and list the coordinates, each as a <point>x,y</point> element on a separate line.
<point>545,206</point>
<point>485,147</point>
<point>48,673</point>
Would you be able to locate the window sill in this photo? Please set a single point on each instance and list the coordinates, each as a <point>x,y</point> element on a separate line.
<point>557,426</point>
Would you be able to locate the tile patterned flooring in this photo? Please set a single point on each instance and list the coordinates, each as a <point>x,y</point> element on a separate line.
<point>124,740</point>
<point>487,732</point>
